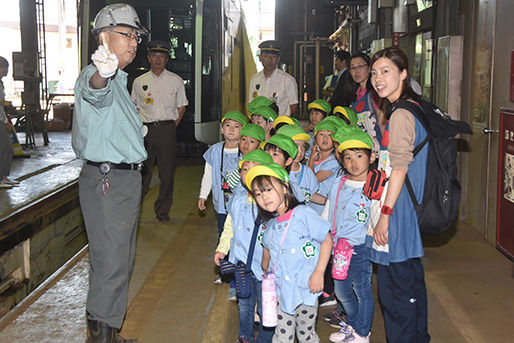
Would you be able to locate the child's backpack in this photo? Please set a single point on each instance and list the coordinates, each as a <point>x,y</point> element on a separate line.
<point>440,204</point>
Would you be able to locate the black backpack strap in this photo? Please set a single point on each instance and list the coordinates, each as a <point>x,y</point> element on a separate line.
<point>251,249</point>
<point>417,111</point>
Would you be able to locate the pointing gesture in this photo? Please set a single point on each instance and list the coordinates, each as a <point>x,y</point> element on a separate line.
<point>105,61</point>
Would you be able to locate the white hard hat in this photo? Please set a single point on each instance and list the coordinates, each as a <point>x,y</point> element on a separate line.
<point>118,15</point>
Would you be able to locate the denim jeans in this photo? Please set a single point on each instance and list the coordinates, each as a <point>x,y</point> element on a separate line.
<point>355,292</point>
<point>246,315</point>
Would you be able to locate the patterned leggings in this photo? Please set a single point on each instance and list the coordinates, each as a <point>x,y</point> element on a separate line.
<point>303,322</point>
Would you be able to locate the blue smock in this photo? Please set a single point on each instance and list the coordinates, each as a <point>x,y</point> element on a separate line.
<point>243,216</point>
<point>306,180</point>
<point>331,164</point>
<point>353,211</point>
<point>220,171</point>
<point>296,260</point>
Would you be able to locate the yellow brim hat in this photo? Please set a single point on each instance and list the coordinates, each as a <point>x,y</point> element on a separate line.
<point>270,169</point>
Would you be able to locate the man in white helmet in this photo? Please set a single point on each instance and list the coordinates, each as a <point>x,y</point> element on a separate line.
<point>108,135</point>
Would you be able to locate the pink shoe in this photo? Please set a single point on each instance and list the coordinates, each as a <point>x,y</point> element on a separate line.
<point>339,337</point>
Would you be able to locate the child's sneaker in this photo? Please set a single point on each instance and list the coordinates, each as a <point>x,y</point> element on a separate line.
<point>327,316</point>
<point>326,299</point>
<point>232,294</point>
<point>217,280</point>
<point>354,337</point>
<point>337,319</point>
<point>345,332</point>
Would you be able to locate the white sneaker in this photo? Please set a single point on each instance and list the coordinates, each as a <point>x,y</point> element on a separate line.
<point>8,181</point>
<point>339,337</point>
<point>356,338</point>
<point>217,280</point>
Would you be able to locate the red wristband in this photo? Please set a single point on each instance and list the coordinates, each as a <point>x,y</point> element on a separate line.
<point>387,210</point>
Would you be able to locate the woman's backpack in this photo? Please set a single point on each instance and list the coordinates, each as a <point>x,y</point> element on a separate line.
<point>441,196</point>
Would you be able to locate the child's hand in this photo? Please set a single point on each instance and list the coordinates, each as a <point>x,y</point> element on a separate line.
<point>218,256</point>
<point>201,204</point>
<point>316,282</point>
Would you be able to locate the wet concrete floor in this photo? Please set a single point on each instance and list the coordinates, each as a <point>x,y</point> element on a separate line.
<point>173,299</point>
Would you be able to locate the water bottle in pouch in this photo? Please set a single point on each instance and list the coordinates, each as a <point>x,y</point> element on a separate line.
<point>343,252</point>
<point>269,300</point>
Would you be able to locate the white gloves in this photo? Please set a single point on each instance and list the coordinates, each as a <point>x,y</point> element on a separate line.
<point>105,61</point>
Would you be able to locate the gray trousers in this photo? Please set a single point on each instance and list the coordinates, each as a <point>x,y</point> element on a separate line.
<point>111,224</point>
<point>302,323</point>
<point>161,145</point>
<point>6,151</point>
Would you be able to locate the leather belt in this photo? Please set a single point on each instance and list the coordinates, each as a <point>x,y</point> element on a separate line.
<point>110,165</point>
<point>159,123</point>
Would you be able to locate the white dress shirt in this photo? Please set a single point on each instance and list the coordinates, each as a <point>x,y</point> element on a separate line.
<point>279,87</point>
<point>158,98</point>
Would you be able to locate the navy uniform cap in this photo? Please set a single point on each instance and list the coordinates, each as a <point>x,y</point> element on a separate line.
<point>158,46</point>
<point>270,47</point>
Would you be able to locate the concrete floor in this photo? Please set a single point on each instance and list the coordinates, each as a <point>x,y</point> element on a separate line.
<point>173,299</point>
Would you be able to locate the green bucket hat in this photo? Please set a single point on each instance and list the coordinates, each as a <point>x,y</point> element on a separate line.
<point>257,155</point>
<point>338,122</point>
<point>235,115</point>
<point>283,142</point>
<point>295,132</point>
<point>327,125</point>
<point>349,113</point>
<point>285,119</point>
<point>341,133</point>
<point>356,139</point>
<point>260,101</point>
<point>270,169</point>
<point>254,131</point>
<point>265,112</point>
<point>321,105</point>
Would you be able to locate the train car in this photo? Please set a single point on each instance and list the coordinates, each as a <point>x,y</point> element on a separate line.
<point>210,51</point>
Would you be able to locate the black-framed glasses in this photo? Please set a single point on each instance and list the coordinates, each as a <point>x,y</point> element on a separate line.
<point>130,36</point>
<point>358,67</point>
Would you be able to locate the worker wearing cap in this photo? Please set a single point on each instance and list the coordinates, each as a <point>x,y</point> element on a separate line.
<point>272,82</point>
<point>160,97</point>
<point>108,134</point>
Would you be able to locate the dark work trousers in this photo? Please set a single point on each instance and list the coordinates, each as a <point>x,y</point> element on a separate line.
<point>403,295</point>
<point>111,225</point>
<point>161,145</point>
<point>6,151</point>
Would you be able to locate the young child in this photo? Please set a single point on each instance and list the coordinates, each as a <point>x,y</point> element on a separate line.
<point>262,101</point>
<point>347,114</point>
<point>318,110</point>
<point>221,159</point>
<point>296,247</point>
<point>348,210</point>
<point>301,174</point>
<point>283,120</point>
<point>282,149</point>
<point>236,237</point>
<point>250,138</point>
<point>322,160</point>
<point>264,116</point>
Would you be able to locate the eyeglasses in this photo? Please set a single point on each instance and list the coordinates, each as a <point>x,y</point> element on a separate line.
<point>130,36</point>
<point>359,67</point>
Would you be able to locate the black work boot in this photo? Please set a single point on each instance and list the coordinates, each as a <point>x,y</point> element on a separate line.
<point>100,332</point>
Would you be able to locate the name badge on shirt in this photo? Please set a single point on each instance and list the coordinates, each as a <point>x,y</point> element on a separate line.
<point>255,94</point>
<point>309,250</point>
<point>149,100</point>
<point>362,215</point>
